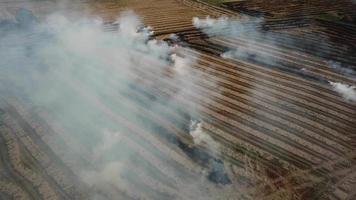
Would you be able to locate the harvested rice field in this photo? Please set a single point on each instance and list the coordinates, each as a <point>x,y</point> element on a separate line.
<point>178,99</point>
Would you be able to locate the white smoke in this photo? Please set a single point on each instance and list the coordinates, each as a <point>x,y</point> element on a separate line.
<point>347,91</point>
<point>109,140</point>
<point>227,27</point>
<point>209,22</point>
<point>230,28</point>
<point>94,85</point>
<point>202,138</point>
<point>340,68</point>
<point>181,65</point>
<point>110,173</point>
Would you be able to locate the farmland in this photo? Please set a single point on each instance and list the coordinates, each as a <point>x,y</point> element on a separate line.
<point>259,91</point>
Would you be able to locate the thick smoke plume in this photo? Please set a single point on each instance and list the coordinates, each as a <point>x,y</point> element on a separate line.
<point>227,28</point>
<point>252,39</point>
<point>102,91</point>
<point>347,91</point>
<point>202,138</point>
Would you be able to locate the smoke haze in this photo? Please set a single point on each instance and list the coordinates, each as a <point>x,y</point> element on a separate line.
<point>227,28</point>
<point>251,36</point>
<point>92,85</point>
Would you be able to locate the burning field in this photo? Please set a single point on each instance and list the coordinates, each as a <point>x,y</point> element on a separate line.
<point>177,99</point>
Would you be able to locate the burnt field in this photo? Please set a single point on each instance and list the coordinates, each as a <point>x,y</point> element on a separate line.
<point>256,101</point>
